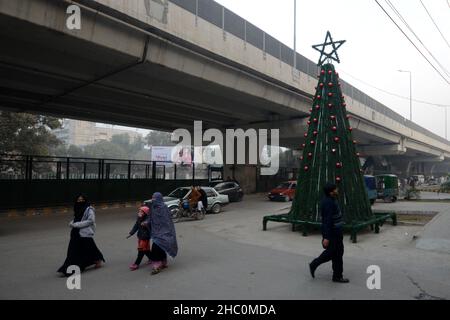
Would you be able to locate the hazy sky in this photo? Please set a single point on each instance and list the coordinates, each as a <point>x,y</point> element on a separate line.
<point>375,48</point>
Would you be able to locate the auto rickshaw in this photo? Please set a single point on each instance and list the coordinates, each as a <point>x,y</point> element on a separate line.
<point>371,188</point>
<point>387,187</point>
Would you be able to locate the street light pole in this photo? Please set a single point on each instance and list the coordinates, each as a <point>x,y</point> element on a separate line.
<point>410,96</point>
<point>446,136</point>
<point>295,34</point>
<point>410,92</point>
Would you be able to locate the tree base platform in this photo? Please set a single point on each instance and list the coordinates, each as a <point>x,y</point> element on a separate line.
<point>374,223</point>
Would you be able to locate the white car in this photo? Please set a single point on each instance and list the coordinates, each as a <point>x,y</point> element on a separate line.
<point>215,200</point>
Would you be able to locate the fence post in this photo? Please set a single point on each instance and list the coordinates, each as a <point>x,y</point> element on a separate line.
<point>58,170</point>
<point>99,169</point>
<point>129,169</point>
<point>29,168</point>
<point>154,170</point>
<point>108,168</point>
<point>84,170</point>
<point>67,168</point>
<point>175,171</point>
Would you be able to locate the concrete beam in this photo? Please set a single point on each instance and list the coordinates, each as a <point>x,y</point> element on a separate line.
<point>382,150</point>
<point>428,159</point>
<point>427,149</point>
<point>374,130</point>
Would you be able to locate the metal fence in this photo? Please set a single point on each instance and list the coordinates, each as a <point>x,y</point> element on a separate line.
<point>228,21</point>
<point>38,181</point>
<point>30,167</point>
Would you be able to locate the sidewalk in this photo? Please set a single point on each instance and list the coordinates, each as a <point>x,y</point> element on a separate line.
<point>436,234</point>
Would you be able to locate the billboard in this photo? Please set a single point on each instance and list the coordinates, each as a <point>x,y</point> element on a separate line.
<point>179,155</point>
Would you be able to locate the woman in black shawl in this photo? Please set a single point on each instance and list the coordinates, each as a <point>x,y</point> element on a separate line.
<point>82,251</point>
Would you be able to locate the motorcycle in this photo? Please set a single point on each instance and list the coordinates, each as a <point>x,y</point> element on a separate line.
<point>184,211</point>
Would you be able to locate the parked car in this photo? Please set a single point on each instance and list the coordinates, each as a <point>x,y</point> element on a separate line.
<point>371,188</point>
<point>285,191</point>
<point>215,200</point>
<point>231,188</point>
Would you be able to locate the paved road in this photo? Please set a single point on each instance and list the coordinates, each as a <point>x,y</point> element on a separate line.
<point>225,256</point>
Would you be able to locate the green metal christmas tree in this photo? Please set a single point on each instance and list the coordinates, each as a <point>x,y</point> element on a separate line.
<point>329,155</point>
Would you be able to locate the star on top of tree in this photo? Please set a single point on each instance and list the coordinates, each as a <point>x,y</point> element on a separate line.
<point>333,54</point>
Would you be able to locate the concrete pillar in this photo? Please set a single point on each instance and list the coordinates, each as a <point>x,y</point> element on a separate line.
<point>245,174</point>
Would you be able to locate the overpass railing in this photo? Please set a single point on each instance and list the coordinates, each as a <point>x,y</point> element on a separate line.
<point>230,22</point>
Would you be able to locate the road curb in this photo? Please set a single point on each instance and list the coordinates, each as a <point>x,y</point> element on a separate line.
<point>61,210</point>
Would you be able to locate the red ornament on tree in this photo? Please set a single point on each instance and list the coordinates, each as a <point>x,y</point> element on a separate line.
<point>330,94</point>
<point>350,129</point>
<point>330,105</point>
<point>315,133</point>
<point>306,134</point>
<point>321,85</point>
<point>301,158</point>
<point>306,168</point>
<point>338,179</point>
<point>330,84</point>
<point>322,71</point>
<point>318,97</point>
<point>358,154</point>
<point>310,155</point>
<point>333,150</point>
<point>303,145</point>
<point>317,107</point>
<point>333,117</point>
<point>336,139</point>
<point>330,72</point>
<point>315,120</point>
<point>312,142</point>
<point>309,122</point>
<point>310,110</point>
<point>334,128</point>
<point>338,165</point>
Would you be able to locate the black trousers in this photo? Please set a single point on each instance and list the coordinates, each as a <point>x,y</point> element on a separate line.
<point>141,255</point>
<point>334,252</point>
<point>157,253</point>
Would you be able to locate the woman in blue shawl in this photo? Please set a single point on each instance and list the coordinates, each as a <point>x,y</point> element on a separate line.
<point>164,239</point>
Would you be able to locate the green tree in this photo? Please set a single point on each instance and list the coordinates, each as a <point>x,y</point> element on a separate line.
<point>122,140</point>
<point>105,149</point>
<point>24,133</point>
<point>445,187</point>
<point>138,145</point>
<point>132,148</point>
<point>75,151</point>
<point>63,150</point>
<point>144,154</point>
<point>159,138</point>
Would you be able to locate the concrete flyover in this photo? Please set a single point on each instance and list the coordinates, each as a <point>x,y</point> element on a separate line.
<point>163,64</point>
